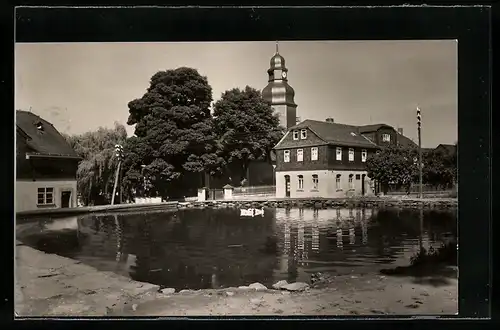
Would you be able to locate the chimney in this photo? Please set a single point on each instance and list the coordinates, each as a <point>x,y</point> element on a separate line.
<point>400,131</point>
<point>329,120</point>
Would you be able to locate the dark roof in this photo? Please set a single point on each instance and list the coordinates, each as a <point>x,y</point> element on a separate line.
<point>372,128</point>
<point>448,148</point>
<point>405,141</point>
<point>333,133</point>
<point>46,142</point>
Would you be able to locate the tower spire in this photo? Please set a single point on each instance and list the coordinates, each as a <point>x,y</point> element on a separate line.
<point>277,51</point>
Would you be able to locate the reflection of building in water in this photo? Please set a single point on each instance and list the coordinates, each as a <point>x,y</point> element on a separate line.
<point>364,231</point>
<point>351,213</point>
<point>303,255</point>
<point>300,236</point>
<point>352,237</point>
<point>286,249</point>
<point>315,237</point>
<point>339,216</point>
<point>340,242</point>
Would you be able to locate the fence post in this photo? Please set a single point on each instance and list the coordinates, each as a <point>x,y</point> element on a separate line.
<point>228,191</point>
<point>202,194</point>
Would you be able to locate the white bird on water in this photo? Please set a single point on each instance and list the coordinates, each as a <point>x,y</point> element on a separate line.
<point>251,212</point>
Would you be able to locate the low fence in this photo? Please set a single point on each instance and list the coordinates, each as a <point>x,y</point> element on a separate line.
<point>255,191</point>
<point>426,190</point>
<point>147,200</point>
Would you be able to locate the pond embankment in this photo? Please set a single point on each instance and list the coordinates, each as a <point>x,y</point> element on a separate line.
<point>373,202</point>
<point>51,285</point>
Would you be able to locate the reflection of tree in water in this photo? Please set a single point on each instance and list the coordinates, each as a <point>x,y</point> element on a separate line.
<point>208,248</point>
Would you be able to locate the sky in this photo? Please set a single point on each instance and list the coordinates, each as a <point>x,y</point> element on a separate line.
<point>82,86</point>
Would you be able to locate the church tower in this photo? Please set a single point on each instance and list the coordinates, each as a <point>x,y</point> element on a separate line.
<point>279,93</point>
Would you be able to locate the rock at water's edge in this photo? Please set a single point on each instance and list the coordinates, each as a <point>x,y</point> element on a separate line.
<point>278,285</point>
<point>257,286</point>
<point>168,291</point>
<point>297,286</point>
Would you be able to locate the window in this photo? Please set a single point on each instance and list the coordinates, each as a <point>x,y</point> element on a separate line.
<point>315,182</point>
<point>300,155</point>
<point>351,154</point>
<point>300,182</point>
<point>295,135</point>
<point>314,153</point>
<point>303,134</point>
<point>351,183</point>
<point>45,196</point>
<point>337,182</point>
<point>363,155</point>
<point>386,137</point>
<point>339,153</point>
<point>286,156</point>
<point>358,177</point>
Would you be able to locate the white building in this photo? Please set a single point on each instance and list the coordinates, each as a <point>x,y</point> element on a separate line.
<point>46,166</point>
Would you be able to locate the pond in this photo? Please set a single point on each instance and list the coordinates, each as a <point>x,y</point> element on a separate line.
<point>213,248</point>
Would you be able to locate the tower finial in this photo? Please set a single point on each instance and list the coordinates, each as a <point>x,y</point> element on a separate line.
<point>277,52</point>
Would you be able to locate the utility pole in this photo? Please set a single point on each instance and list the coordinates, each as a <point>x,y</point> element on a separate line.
<point>119,155</point>
<point>419,130</point>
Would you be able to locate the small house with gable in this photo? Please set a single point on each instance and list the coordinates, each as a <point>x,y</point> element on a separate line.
<point>46,165</point>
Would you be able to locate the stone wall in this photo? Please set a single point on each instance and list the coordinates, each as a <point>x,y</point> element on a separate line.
<point>330,203</point>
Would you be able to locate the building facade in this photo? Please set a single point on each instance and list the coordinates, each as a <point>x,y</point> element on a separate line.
<point>323,159</point>
<point>326,159</point>
<point>46,166</point>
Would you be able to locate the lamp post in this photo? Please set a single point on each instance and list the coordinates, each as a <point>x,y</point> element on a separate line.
<point>419,131</point>
<point>119,155</point>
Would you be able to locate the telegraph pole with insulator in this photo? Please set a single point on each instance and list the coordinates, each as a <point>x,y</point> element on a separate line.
<point>419,131</point>
<point>119,156</point>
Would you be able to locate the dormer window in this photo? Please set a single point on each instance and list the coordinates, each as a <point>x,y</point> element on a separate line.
<point>295,135</point>
<point>303,134</point>
<point>39,126</point>
<point>386,137</point>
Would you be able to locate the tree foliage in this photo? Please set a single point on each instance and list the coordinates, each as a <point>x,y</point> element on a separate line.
<point>394,165</point>
<point>245,127</point>
<point>174,136</point>
<point>440,168</point>
<point>95,175</point>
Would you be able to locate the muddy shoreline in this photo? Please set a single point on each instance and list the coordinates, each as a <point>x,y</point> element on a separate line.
<point>51,285</point>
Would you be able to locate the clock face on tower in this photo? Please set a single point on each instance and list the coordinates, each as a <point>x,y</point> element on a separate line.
<point>283,75</point>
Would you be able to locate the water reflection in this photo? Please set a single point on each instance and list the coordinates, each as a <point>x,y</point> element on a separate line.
<point>218,248</point>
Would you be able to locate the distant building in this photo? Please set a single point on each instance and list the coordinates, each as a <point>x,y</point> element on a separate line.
<point>448,149</point>
<point>326,159</point>
<point>46,165</point>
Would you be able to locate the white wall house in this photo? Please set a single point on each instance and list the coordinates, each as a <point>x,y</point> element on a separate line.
<point>46,166</point>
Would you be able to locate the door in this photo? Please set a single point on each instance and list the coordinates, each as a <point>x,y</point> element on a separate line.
<point>363,184</point>
<point>65,199</point>
<point>287,185</point>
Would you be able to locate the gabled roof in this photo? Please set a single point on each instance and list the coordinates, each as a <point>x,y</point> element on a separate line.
<point>448,148</point>
<point>372,128</point>
<point>47,141</point>
<point>405,141</point>
<point>333,133</point>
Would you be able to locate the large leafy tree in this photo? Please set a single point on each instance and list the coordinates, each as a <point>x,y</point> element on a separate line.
<point>95,175</point>
<point>440,168</point>
<point>394,165</point>
<point>246,128</point>
<point>174,138</point>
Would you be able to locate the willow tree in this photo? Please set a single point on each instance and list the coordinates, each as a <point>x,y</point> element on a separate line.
<point>95,175</point>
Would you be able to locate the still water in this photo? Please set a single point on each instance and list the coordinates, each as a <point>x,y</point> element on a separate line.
<point>213,248</point>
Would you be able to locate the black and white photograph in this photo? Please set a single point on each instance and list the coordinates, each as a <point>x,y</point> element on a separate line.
<point>278,178</point>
